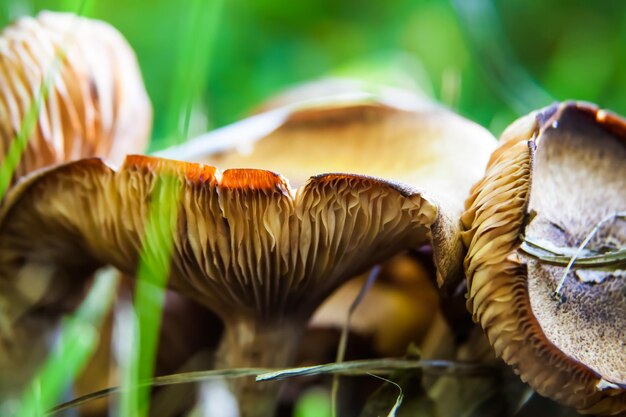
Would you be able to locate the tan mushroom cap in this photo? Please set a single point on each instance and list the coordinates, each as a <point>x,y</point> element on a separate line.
<point>557,173</point>
<point>96,103</point>
<point>421,144</point>
<point>392,134</point>
<point>397,310</point>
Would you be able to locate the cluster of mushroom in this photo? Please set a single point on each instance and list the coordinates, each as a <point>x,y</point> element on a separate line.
<point>375,174</point>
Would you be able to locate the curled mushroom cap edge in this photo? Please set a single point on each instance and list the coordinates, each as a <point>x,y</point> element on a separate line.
<point>556,174</point>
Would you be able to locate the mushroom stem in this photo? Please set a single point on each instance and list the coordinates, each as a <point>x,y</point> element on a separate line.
<point>249,343</point>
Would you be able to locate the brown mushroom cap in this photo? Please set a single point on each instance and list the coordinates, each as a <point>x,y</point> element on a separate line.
<point>557,173</point>
<point>96,103</point>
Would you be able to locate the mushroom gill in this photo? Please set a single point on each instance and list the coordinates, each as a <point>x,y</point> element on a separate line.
<point>556,175</point>
<point>390,133</point>
<point>261,255</point>
<point>95,102</point>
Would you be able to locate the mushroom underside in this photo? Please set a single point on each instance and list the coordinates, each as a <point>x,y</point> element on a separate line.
<point>577,182</point>
<point>241,240</point>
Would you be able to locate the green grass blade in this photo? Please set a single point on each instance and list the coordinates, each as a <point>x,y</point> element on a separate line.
<point>27,126</point>
<point>578,257</point>
<point>182,378</point>
<point>343,339</point>
<point>152,275</point>
<point>193,67</point>
<point>363,367</point>
<point>154,265</point>
<point>396,406</point>
<point>358,367</point>
<point>20,142</point>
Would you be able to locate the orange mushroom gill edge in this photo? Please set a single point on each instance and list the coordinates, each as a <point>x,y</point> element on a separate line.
<point>259,254</point>
<point>556,174</point>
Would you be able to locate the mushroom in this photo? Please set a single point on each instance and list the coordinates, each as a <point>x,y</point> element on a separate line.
<point>70,87</point>
<point>375,130</point>
<point>95,102</point>
<point>261,255</point>
<point>557,174</point>
<point>382,132</point>
<point>350,126</point>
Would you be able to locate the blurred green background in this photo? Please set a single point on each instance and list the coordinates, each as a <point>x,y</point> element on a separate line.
<point>491,60</point>
<point>207,63</point>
